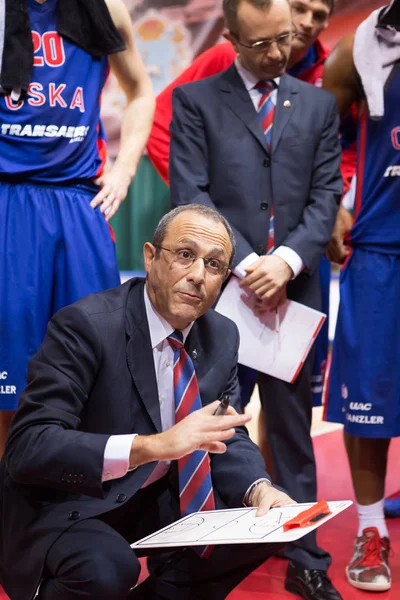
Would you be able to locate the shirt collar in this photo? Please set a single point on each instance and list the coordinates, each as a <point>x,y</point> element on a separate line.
<point>160,329</point>
<point>249,80</point>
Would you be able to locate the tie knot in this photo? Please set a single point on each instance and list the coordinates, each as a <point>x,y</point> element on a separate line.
<point>265,87</point>
<point>176,339</point>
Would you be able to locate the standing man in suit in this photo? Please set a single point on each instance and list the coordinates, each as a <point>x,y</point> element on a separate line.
<point>252,142</point>
<point>113,433</point>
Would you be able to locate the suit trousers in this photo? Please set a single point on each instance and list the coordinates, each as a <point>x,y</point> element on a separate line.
<point>288,414</point>
<point>93,558</point>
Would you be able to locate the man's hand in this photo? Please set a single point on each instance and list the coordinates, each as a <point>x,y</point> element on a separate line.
<point>200,430</point>
<point>265,496</point>
<point>260,306</point>
<point>135,82</point>
<point>336,251</point>
<point>267,278</point>
<point>114,188</point>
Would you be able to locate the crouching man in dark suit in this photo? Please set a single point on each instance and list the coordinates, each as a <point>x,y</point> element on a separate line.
<point>115,435</point>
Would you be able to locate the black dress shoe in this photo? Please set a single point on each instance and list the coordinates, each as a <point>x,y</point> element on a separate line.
<point>311,584</point>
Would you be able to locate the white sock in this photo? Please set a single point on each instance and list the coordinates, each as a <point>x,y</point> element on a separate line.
<point>372,515</point>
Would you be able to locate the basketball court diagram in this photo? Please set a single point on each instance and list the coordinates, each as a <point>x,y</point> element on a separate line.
<point>235,526</point>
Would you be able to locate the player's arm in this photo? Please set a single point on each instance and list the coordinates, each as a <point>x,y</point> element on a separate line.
<point>130,71</point>
<point>340,78</point>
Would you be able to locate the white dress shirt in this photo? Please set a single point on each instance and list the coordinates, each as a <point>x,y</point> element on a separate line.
<point>118,447</point>
<point>287,254</point>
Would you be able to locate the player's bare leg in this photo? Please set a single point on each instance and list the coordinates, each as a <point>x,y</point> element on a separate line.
<point>369,568</point>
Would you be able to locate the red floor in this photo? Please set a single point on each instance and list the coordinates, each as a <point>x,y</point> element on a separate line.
<point>336,536</point>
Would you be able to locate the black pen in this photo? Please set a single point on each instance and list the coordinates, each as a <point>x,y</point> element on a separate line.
<point>223,405</point>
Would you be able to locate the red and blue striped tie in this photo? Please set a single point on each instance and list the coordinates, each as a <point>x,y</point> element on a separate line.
<point>195,485</point>
<point>266,108</point>
<point>266,112</point>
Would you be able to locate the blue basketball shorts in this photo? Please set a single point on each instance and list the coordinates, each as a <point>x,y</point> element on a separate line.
<point>54,249</point>
<point>363,389</point>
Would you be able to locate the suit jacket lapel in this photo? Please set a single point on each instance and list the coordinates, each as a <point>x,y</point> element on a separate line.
<point>139,353</point>
<point>285,107</point>
<point>235,95</point>
<point>194,347</point>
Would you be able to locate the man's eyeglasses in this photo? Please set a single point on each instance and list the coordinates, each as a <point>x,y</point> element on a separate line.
<point>264,45</point>
<point>185,258</point>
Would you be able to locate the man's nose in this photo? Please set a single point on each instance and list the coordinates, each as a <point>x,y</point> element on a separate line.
<point>307,20</point>
<point>275,52</point>
<point>197,271</point>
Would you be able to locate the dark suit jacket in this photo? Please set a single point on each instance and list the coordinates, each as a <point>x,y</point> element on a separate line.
<point>219,158</point>
<point>93,377</point>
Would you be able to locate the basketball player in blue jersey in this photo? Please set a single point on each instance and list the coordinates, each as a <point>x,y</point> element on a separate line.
<point>56,194</point>
<point>364,384</point>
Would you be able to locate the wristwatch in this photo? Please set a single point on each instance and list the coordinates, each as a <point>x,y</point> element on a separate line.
<point>247,501</point>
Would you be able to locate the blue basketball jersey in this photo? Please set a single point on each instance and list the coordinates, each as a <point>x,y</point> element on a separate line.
<point>377,208</point>
<point>55,133</point>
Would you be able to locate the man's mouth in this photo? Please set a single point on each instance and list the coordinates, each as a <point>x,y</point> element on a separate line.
<point>274,67</point>
<point>190,295</point>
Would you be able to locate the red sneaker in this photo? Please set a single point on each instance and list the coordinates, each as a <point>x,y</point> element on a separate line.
<point>369,568</point>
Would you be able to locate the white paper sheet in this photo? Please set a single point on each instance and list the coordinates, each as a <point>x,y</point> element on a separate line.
<point>235,526</point>
<point>275,344</point>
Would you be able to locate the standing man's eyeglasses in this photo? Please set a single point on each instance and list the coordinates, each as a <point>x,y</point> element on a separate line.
<point>264,45</point>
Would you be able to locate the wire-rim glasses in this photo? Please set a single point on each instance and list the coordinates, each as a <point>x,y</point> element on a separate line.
<point>185,258</point>
<point>264,45</point>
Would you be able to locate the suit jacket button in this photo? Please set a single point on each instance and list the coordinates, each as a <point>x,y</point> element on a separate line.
<point>264,206</point>
<point>267,162</point>
<point>260,249</point>
<point>120,498</point>
<point>74,515</point>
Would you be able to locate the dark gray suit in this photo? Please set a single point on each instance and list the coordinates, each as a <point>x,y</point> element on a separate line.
<point>219,158</point>
<point>94,377</point>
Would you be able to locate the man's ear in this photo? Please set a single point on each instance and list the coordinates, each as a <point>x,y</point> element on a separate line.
<point>149,255</point>
<point>229,37</point>
<point>326,24</point>
<point>229,271</point>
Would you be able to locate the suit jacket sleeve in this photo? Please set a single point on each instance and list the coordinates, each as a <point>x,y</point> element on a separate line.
<point>189,158</point>
<point>310,237</point>
<point>45,444</point>
<point>242,464</point>
<point>212,61</point>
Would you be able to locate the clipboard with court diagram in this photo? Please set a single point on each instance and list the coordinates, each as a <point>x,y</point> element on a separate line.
<point>276,343</point>
<point>235,526</point>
